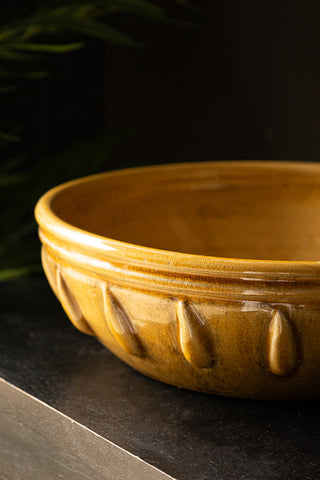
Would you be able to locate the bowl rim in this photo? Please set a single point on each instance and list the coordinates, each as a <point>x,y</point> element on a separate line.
<point>54,227</point>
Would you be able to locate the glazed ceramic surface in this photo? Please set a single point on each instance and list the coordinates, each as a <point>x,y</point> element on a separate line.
<point>205,276</point>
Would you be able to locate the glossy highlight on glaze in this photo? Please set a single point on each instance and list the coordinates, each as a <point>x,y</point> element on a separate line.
<point>187,272</point>
<point>192,337</point>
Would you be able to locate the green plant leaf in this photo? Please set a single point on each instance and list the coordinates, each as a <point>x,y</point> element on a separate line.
<point>137,7</point>
<point>13,273</point>
<point>9,137</point>
<point>7,31</point>
<point>19,258</point>
<point>38,47</point>
<point>83,26</point>
<point>8,89</point>
<point>11,179</point>
<point>11,163</point>
<point>6,73</point>
<point>8,54</point>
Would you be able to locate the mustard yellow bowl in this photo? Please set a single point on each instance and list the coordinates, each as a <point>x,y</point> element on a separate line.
<point>205,275</point>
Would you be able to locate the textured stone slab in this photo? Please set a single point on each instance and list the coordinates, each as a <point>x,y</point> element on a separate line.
<point>68,407</point>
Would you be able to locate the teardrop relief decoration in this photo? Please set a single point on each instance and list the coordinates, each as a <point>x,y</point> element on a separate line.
<point>192,336</point>
<point>50,269</point>
<point>120,325</point>
<point>282,345</point>
<point>70,304</point>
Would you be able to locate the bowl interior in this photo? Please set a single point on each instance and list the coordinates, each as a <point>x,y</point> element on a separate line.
<point>266,211</point>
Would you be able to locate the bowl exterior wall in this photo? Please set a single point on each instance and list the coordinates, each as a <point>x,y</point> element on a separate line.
<point>235,346</point>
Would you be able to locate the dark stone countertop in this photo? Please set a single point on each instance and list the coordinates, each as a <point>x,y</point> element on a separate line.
<point>80,413</point>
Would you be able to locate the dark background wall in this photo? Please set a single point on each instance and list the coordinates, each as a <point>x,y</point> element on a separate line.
<point>243,83</point>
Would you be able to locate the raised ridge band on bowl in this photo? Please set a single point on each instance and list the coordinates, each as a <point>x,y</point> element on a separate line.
<point>145,259</point>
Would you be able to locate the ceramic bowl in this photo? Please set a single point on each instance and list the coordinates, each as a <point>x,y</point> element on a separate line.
<point>205,275</point>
